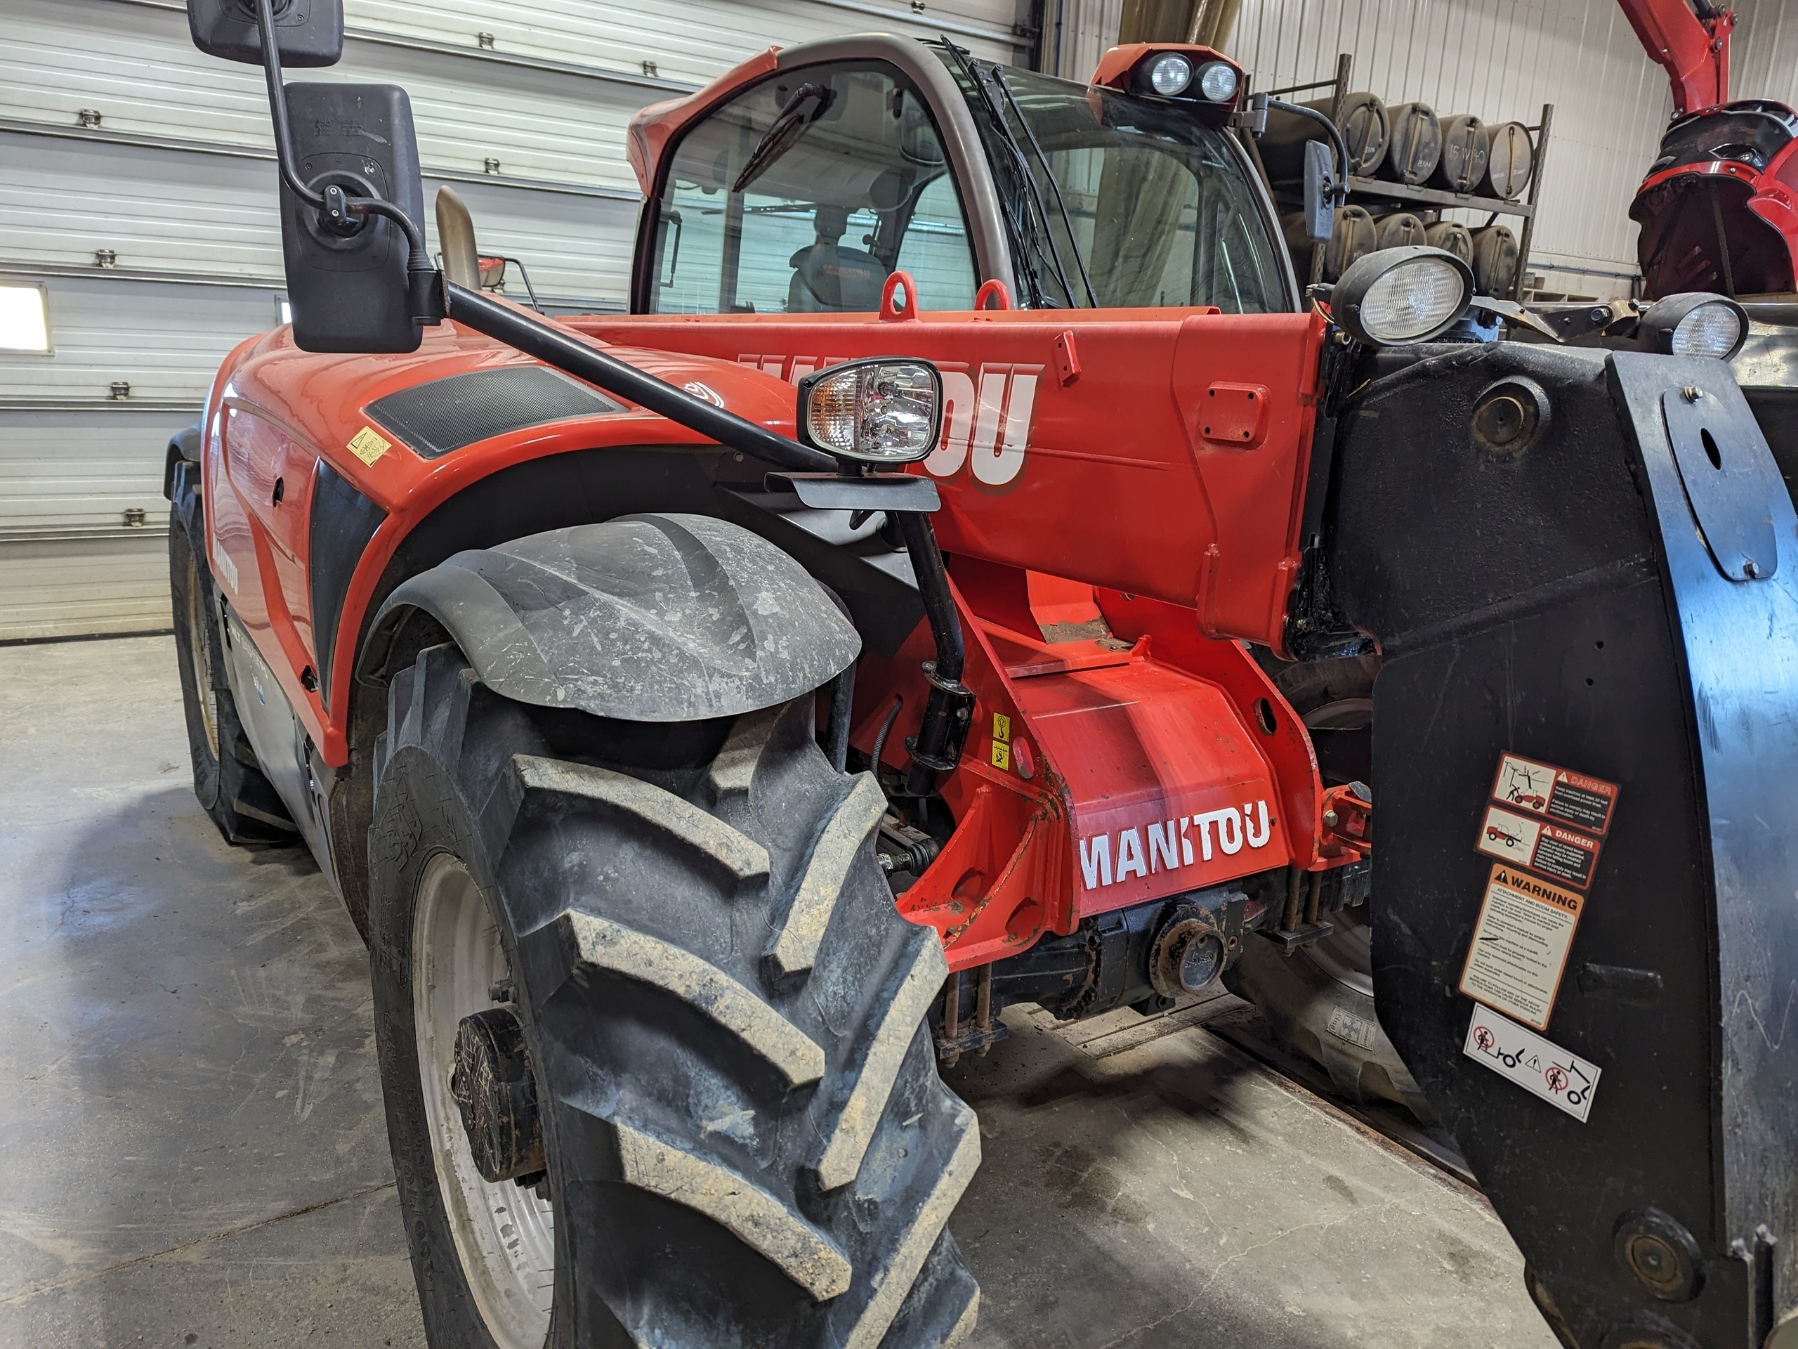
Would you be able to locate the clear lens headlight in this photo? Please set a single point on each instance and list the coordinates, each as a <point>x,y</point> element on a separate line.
<point>876,411</point>
<point>1693,323</point>
<point>1413,299</point>
<point>1217,81</point>
<point>1170,75</point>
<point>1709,330</point>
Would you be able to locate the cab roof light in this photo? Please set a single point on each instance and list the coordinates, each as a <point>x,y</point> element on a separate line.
<point>1185,72</point>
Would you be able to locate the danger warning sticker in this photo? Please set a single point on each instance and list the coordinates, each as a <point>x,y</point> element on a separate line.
<point>1555,794</point>
<point>1520,945</point>
<point>1546,848</point>
<point>1563,1079</point>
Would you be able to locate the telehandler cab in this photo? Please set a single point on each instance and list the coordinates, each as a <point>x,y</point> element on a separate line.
<point>957,582</point>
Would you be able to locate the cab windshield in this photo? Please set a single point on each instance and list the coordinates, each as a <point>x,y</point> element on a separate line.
<point>1118,201</point>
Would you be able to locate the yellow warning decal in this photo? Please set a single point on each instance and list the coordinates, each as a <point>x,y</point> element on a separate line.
<point>1001,755</point>
<point>369,445</point>
<point>1001,728</point>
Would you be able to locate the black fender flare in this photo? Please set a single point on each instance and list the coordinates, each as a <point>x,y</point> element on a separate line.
<point>183,448</point>
<point>650,618</point>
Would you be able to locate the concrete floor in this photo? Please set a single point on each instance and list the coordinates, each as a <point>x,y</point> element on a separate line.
<point>192,1152</point>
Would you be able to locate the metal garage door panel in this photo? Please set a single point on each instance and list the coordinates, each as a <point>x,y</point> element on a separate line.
<point>142,75</point>
<point>578,249</point>
<point>166,341</point>
<point>77,588</point>
<point>76,474</point>
<point>62,200</point>
<point>691,41</point>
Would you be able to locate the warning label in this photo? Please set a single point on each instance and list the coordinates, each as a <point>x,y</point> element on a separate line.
<point>1547,848</point>
<point>1520,945</point>
<point>1563,1079</point>
<point>368,445</point>
<point>1555,794</point>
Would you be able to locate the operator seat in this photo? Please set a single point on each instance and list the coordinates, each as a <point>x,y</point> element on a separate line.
<point>830,279</point>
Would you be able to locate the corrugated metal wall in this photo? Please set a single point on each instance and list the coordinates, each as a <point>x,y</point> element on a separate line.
<point>139,190</point>
<point>1500,59</point>
<point>1763,55</point>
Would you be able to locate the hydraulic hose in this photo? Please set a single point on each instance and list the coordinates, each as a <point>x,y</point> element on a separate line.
<point>947,709</point>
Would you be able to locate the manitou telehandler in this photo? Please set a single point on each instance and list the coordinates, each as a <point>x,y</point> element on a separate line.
<point>958,582</point>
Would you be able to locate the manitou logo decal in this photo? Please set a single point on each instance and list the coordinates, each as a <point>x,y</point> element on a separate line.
<point>1172,844</point>
<point>987,414</point>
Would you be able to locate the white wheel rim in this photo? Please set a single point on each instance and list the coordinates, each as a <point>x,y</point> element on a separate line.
<point>505,1236</point>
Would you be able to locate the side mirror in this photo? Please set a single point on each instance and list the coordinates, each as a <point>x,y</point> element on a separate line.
<point>350,285</point>
<point>1320,192</point>
<point>358,276</point>
<point>309,33</point>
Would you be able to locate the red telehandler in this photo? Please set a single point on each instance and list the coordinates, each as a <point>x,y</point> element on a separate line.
<point>1719,207</point>
<point>714,716</point>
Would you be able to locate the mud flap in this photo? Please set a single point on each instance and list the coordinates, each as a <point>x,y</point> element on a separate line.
<point>1558,598</point>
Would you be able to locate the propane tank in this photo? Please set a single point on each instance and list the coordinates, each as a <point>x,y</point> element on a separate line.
<point>1354,236</point>
<point>1494,261</point>
<point>1362,121</point>
<point>1399,230</point>
<point>1510,160</point>
<point>1465,152</point>
<point>1451,236</point>
<point>1416,145</point>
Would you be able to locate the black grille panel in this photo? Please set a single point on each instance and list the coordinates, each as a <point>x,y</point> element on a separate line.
<point>447,414</point>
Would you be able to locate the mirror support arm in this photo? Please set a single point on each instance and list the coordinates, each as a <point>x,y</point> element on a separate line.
<point>556,347</point>
<point>1299,109</point>
<point>277,105</point>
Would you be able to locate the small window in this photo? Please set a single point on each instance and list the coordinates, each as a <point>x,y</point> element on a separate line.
<point>803,194</point>
<point>24,319</point>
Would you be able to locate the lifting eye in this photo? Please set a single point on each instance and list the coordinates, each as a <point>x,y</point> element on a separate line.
<point>279,492</point>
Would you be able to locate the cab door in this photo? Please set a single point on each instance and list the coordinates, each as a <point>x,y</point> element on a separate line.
<point>802,194</point>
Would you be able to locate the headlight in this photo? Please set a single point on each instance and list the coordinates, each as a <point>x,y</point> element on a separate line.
<point>1217,81</point>
<point>878,411</point>
<point>1695,323</point>
<point>1402,295</point>
<point>1170,75</point>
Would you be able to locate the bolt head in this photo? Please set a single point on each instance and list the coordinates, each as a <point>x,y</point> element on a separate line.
<point>1331,818</point>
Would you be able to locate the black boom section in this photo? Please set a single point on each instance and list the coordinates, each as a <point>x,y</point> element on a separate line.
<point>1552,597</point>
<point>343,521</point>
<point>442,415</point>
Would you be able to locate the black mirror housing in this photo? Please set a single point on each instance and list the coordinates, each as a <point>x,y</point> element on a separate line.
<point>1320,192</point>
<point>308,32</point>
<point>350,292</point>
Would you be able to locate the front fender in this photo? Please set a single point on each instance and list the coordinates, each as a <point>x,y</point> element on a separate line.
<point>649,618</point>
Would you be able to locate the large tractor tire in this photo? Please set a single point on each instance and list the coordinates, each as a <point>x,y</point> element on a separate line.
<point>1318,1001</point>
<point>651,1034</point>
<point>227,779</point>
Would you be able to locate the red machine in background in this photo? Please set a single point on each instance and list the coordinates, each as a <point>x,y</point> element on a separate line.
<point>1719,207</point>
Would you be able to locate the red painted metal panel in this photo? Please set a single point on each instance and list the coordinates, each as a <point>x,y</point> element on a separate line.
<point>1110,480</point>
<point>1166,788</point>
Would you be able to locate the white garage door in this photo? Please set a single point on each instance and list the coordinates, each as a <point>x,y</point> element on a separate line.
<point>139,194</point>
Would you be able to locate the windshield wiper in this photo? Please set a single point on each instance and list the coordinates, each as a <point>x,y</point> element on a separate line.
<point>1054,186</point>
<point>1042,241</point>
<point>789,123</point>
